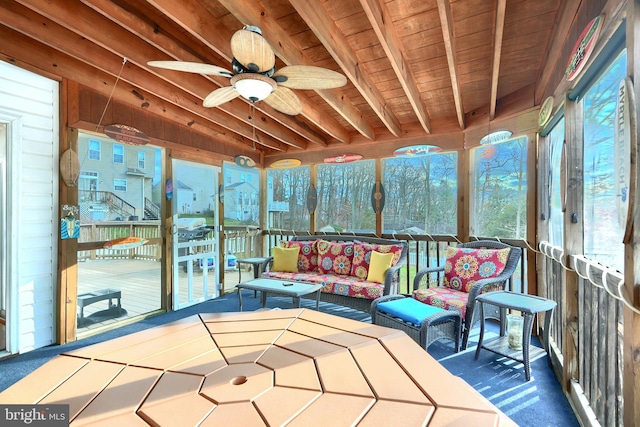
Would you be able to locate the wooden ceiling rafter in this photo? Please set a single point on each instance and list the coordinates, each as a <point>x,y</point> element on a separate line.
<point>415,70</point>
<point>328,33</point>
<point>446,21</point>
<point>59,37</point>
<point>107,35</point>
<point>103,83</point>
<point>292,54</point>
<point>497,54</point>
<point>379,15</point>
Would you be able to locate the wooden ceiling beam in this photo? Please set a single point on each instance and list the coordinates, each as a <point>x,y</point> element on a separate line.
<point>108,35</point>
<point>291,54</point>
<point>328,33</point>
<point>54,62</point>
<point>379,18</point>
<point>497,54</point>
<point>563,25</point>
<point>80,47</point>
<point>446,22</point>
<point>196,20</point>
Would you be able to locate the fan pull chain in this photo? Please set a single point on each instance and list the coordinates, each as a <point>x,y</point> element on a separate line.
<point>253,125</point>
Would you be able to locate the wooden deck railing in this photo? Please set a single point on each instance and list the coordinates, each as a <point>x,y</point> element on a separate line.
<point>597,330</point>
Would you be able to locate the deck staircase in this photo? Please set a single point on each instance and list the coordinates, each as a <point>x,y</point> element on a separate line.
<point>151,210</point>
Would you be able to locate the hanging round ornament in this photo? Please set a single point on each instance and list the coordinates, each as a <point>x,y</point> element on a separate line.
<point>416,150</point>
<point>285,164</point>
<point>245,162</point>
<point>343,158</point>
<point>126,134</point>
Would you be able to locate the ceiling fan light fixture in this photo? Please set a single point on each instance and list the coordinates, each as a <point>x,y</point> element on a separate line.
<point>252,86</point>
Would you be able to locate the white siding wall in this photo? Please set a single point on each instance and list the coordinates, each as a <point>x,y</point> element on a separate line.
<point>32,203</point>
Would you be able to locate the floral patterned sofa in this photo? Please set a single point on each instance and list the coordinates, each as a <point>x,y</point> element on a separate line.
<point>343,265</point>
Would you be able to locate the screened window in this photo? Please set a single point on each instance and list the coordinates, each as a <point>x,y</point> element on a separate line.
<point>120,184</point>
<point>142,160</point>
<point>556,217</point>
<point>118,153</point>
<point>500,189</point>
<point>287,198</point>
<point>344,197</point>
<point>603,230</point>
<point>421,194</point>
<point>94,149</point>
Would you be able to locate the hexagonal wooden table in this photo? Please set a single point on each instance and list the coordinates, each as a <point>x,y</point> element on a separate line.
<point>293,367</point>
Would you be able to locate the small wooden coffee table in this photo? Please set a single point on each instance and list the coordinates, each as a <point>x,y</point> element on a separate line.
<point>279,287</point>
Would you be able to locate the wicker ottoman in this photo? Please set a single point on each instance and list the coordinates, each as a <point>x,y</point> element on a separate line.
<point>423,323</point>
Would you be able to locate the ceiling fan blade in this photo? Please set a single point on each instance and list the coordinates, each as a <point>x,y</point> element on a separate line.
<point>252,51</point>
<point>308,77</point>
<point>285,101</point>
<point>220,96</point>
<point>192,67</point>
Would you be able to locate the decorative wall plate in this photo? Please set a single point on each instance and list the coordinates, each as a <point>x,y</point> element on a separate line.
<point>583,48</point>
<point>312,199</point>
<point>245,162</point>
<point>70,167</point>
<point>343,158</point>
<point>416,150</point>
<point>625,153</point>
<point>168,189</point>
<point>126,134</point>
<point>285,164</point>
<point>545,112</point>
<point>377,197</point>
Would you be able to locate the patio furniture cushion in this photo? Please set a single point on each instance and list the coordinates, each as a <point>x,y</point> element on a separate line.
<point>334,284</point>
<point>334,257</point>
<point>308,256</point>
<point>362,256</point>
<point>408,309</point>
<point>465,266</point>
<point>442,297</point>
<point>285,259</point>
<point>380,263</point>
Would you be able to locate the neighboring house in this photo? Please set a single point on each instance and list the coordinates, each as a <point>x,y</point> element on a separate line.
<point>115,179</point>
<point>241,194</point>
<point>241,202</point>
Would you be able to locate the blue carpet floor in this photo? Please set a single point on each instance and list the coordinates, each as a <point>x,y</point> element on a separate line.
<point>536,403</point>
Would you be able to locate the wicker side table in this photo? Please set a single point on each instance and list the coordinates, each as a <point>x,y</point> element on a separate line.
<point>443,324</point>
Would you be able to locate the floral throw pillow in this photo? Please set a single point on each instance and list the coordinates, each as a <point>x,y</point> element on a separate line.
<point>334,257</point>
<point>362,256</point>
<point>308,256</point>
<point>465,266</point>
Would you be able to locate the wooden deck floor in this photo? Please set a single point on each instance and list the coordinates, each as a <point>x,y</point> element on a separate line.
<point>140,286</point>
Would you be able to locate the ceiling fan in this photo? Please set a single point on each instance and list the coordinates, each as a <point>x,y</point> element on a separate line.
<point>254,75</point>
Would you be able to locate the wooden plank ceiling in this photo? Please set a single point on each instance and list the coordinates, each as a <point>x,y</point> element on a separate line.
<point>416,69</point>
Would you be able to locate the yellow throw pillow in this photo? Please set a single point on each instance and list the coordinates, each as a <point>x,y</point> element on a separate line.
<point>378,266</point>
<point>285,259</point>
